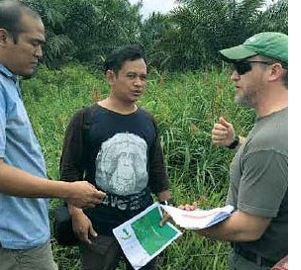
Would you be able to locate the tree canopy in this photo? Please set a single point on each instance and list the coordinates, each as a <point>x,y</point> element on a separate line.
<point>188,38</point>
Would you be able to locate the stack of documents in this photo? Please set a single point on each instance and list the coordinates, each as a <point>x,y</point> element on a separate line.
<point>198,219</point>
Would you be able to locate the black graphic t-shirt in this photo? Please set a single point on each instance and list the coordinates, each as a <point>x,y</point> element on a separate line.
<point>119,154</point>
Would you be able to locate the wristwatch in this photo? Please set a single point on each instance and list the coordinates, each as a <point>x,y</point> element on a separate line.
<point>235,142</point>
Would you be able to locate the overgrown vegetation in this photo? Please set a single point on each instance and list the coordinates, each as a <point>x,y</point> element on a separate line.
<point>185,106</point>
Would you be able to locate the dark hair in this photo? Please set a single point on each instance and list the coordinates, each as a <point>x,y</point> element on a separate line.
<point>120,55</point>
<point>11,12</point>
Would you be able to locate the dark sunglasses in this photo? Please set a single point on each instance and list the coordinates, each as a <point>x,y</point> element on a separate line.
<point>245,66</point>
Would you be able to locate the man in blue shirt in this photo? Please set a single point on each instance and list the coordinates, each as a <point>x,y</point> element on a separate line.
<point>24,223</point>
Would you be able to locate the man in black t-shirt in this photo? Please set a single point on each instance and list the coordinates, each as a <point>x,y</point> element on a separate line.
<point>114,145</point>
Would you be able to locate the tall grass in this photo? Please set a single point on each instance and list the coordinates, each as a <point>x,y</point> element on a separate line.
<point>186,106</point>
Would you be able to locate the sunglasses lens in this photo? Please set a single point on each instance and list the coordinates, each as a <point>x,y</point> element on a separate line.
<point>242,67</point>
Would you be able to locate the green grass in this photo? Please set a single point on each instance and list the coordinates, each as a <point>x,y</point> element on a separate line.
<point>186,106</point>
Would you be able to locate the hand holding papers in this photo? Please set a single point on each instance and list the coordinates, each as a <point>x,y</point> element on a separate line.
<point>198,219</point>
<point>141,238</point>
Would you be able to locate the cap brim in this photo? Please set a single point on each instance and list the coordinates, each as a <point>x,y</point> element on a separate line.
<point>237,53</point>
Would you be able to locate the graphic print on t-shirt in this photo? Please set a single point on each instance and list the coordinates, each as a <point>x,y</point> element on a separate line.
<point>121,165</point>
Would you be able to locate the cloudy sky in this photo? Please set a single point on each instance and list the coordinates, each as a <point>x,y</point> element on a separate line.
<point>150,6</point>
<point>164,6</point>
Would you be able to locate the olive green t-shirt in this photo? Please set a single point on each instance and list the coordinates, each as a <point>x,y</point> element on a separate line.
<point>259,181</point>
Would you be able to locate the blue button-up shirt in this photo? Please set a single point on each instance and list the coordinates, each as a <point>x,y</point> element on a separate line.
<point>24,222</point>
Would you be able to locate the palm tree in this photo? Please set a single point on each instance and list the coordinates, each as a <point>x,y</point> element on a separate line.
<point>201,28</point>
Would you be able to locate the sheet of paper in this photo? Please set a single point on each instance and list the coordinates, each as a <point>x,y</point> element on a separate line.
<point>198,219</point>
<point>141,238</point>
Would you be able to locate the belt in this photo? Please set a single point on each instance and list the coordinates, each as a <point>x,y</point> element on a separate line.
<point>253,257</point>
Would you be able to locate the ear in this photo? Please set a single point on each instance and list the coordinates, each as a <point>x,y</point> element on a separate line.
<point>276,72</point>
<point>110,75</point>
<point>3,36</point>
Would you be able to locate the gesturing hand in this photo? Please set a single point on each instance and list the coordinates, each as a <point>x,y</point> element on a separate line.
<point>222,133</point>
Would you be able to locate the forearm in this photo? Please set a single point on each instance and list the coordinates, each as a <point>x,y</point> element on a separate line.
<point>241,141</point>
<point>240,227</point>
<point>16,182</point>
<point>74,211</point>
<point>223,231</point>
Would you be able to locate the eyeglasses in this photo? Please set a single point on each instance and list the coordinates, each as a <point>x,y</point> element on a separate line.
<point>245,66</point>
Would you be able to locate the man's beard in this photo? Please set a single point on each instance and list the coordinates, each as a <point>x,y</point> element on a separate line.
<point>246,100</point>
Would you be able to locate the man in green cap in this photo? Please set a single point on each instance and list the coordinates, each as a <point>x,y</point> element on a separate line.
<point>259,172</point>
<point>257,229</point>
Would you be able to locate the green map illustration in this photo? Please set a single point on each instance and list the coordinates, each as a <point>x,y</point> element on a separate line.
<point>149,233</point>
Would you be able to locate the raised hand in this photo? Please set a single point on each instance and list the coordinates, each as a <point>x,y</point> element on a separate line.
<point>222,133</point>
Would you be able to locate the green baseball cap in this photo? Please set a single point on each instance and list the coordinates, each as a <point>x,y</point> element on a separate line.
<point>269,44</point>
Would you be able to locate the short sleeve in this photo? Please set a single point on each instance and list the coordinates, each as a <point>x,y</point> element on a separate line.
<point>263,184</point>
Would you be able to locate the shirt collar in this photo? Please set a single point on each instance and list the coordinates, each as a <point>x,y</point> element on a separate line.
<point>7,73</point>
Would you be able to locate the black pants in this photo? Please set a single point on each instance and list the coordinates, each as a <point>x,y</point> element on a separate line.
<point>104,254</point>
